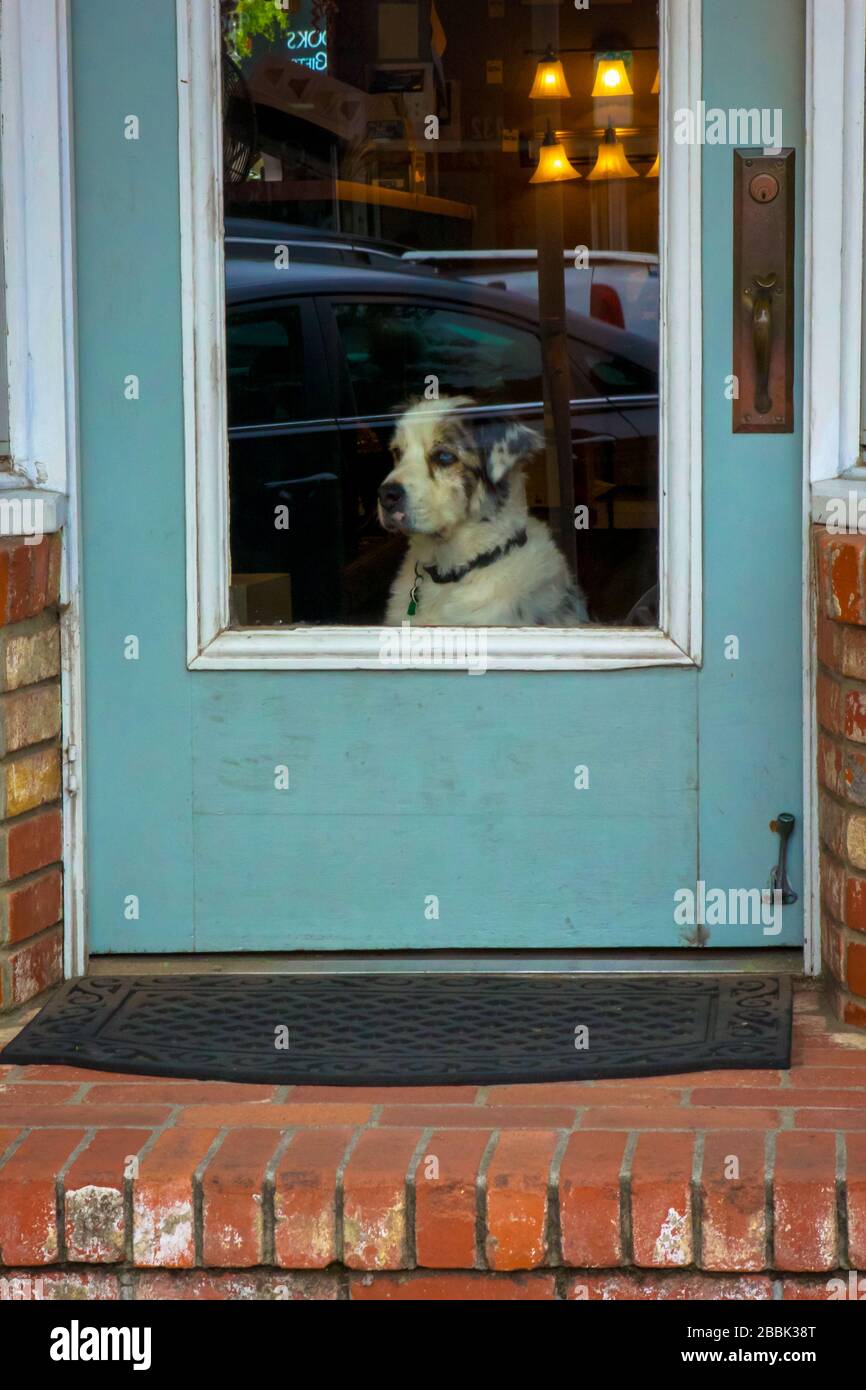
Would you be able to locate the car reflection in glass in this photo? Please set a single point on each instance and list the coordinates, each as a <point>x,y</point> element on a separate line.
<point>329,339</point>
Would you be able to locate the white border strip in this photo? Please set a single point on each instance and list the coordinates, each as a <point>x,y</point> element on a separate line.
<point>834,189</point>
<point>681,329</point>
<point>833,342</point>
<point>39,255</point>
<point>507,649</point>
<point>75,942</point>
<point>210,644</point>
<point>35,179</point>
<point>203,316</point>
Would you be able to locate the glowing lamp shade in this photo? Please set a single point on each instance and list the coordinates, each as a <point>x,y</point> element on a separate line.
<point>553,164</point>
<point>611,79</point>
<point>549,79</point>
<point>611,162</point>
<point>656,86</point>
<point>654,172</point>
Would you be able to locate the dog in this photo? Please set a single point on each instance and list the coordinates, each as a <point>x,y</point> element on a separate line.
<point>476,557</point>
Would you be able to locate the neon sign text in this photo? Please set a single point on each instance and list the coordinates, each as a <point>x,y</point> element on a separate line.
<point>299,40</point>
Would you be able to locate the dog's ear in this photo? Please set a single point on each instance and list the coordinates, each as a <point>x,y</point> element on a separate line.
<point>504,444</point>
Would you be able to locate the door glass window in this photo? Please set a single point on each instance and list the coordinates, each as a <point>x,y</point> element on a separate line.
<point>465,201</point>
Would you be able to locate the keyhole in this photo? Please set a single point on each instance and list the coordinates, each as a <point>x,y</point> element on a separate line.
<point>764,188</point>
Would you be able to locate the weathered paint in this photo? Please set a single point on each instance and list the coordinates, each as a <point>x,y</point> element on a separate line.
<point>674,1243</point>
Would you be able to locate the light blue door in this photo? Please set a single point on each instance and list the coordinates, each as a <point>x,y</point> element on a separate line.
<point>425,810</point>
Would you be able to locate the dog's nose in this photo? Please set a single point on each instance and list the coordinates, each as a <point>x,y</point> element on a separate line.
<point>392,496</point>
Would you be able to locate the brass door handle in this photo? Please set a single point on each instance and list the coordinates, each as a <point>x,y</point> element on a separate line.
<point>762,291</point>
<point>762,338</point>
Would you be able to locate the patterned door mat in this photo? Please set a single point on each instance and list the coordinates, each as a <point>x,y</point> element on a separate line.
<point>389,1030</point>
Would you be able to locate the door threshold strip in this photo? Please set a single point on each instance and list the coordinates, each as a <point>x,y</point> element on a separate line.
<point>701,962</point>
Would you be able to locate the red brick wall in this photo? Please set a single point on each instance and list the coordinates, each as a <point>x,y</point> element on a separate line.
<point>841,699</point>
<point>31,932</point>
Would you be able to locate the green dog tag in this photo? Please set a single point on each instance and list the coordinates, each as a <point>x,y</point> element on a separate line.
<point>413,597</point>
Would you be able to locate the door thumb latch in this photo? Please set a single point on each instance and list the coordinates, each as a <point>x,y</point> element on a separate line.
<point>71,762</point>
<point>783,826</point>
<point>762,333</point>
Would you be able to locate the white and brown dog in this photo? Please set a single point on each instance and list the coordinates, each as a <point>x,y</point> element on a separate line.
<point>476,557</point>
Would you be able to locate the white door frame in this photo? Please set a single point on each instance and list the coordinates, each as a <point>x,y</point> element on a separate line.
<point>833,339</point>
<point>39,268</point>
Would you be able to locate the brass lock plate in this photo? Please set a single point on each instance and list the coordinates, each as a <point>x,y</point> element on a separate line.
<point>763,292</point>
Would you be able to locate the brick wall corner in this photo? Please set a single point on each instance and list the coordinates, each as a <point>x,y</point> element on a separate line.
<point>840,570</point>
<point>31,872</point>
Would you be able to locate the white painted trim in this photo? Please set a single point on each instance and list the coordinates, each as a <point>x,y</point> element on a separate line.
<point>210,645</point>
<point>39,260</point>
<point>507,649</point>
<point>832,350</point>
<point>850,195</point>
<point>811,849</point>
<point>833,343</point>
<point>203,316</point>
<point>33,168</point>
<point>4,366</point>
<point>72,684</point>
<point>681,333</point>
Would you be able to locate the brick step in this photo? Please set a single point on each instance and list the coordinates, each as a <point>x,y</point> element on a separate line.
<point>131,1185</point>
<point>424,1285</point>
<point>752,1184</point>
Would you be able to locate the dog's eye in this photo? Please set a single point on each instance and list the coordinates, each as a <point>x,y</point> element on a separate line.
<point>443,457</point>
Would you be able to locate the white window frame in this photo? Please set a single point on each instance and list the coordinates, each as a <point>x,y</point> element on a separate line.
<point>211,643</point>
<point>834,320</point>
<point>38,243</point>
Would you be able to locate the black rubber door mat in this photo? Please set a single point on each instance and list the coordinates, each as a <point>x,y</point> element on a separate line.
<point>389,1030</point>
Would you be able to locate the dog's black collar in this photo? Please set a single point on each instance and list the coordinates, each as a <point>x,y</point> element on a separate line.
<point>487,557</point>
